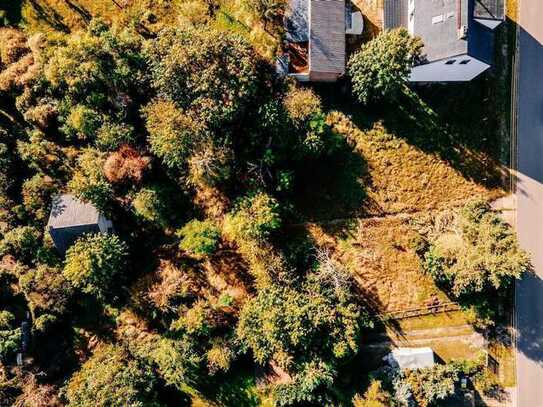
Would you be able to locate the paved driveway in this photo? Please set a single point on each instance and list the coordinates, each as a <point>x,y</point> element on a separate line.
<point>529,294</point>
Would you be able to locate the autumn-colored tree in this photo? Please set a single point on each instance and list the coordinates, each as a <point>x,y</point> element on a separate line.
<point>126,164</point>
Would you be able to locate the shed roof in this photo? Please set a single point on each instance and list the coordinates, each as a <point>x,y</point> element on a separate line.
<point>412,358</point>
<point>327,36</point>
<point>68,211</point>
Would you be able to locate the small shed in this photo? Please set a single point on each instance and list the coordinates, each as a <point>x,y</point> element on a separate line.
<point>411,358</point>
<point>70,218</point>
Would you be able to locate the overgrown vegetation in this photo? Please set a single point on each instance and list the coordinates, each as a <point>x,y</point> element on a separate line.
<point>169,119</point>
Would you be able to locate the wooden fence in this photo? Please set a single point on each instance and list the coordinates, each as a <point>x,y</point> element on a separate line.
<point>417,312</point>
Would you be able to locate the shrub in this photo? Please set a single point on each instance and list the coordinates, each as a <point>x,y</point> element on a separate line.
<point>6,320</point>
<point>381,67</point>
<point>82,123</point>
<point>110,136</point>
<point>152,204</point>
<point>199,238</point>
<point>10,343</point>
<point>94,262</point>
<point>22,242</point>
<point>375,396</point>
<point>254,217</point>
<point>209,165</point>
<point>302,104</point>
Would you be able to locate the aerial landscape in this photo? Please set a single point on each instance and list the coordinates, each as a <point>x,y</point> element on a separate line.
<point>271,203</point>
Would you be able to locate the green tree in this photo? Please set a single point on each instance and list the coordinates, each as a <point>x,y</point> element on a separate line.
<point>153,204</point>
<point>199,238</point>
<point>94,262</point>
<point>101,68</point>
<point>37,193</point>
<point>255,217</point>
<point>172,133</point>
<point>307,331</point>
<point>112,378</point>
<point>381,67</point>
<point>213,73</point>
<point>480,254</point>
<point>46,290</point>
<point>89,182</point>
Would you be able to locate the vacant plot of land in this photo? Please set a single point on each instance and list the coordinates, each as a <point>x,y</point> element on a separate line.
<point>378,254</point>
<point>403,178</point>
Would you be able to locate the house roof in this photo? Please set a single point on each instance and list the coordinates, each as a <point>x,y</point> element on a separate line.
<point>321,23</point>
<point>438,23</point>
<point>412,358</point>
<point>327,36</point>
<point>395,14</point>
<point>455,69</point>
<point>68,211</point>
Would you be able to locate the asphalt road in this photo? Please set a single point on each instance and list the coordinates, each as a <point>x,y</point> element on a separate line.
<point>529,292</point>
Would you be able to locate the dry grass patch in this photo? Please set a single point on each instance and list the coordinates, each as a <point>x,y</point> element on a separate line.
<point>401,177</point>
<point>378,254</point>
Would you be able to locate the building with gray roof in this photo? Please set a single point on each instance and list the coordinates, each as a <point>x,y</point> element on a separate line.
<point>71,218</point>
<point>458,35</point>
<point>315,36</point>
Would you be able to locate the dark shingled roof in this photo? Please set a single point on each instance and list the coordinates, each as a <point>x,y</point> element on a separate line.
<point>327,36</point>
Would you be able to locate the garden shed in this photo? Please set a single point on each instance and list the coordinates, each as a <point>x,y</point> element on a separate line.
<point>71,218</point>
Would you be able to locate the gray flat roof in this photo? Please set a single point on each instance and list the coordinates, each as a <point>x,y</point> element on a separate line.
<point>68,211</point>
<point>327,36</point>
<point>437,22</point>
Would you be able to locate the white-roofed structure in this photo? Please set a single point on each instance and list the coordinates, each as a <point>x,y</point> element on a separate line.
<point>411,358</point>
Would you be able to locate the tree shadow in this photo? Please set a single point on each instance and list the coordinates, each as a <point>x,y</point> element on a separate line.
<point>332,186</point>
<point>456,122</point>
